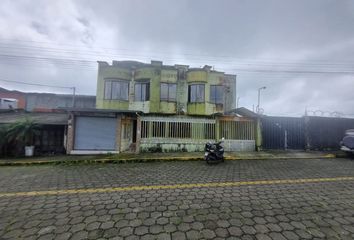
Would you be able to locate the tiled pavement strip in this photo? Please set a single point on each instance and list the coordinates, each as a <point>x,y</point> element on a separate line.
<point>275,199</point>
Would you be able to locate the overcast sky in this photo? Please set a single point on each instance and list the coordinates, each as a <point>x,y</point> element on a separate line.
<point>288,46</point>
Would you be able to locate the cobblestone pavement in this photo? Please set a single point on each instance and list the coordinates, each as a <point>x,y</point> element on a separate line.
<point>312,210</point>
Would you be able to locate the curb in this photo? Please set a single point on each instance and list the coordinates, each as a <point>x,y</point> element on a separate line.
<point>134,160</point>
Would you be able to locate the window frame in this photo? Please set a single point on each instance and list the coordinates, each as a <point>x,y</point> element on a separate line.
<point>110,81</point>
<point>168,99</point>
<point>214,101</point>
<point>147,90</point>
<point>196,93</point>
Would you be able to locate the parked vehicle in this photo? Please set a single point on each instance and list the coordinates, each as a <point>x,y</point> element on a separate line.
<point>347,144</point>
<point>214,152</point>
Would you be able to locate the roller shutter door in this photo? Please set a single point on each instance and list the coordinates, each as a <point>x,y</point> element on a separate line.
<point>95,133</point>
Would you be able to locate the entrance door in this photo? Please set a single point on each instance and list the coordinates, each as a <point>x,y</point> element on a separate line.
<point>134,130</point>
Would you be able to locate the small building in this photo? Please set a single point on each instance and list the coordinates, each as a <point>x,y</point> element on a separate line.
<point>52,137</point>
<point>155,107</point>
<point>8,103</point>
<point>19,96</point>
<point>45,102</point>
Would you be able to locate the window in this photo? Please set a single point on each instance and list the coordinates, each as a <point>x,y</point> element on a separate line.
<point>142,91</point>
<point>115,89</point>
<point>168,92</point>
<point>216,94</point>
<point>196,93</point>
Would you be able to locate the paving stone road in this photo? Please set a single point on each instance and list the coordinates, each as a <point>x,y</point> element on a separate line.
<point>311,210</point>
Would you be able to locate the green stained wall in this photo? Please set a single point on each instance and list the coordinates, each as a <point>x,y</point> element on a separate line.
<point>157,74</point>
<point>110,72</point>
<point>208,78</point>
<point>197,76</point>
<point>167,76</point>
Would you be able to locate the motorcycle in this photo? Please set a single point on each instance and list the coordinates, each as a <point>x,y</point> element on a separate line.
<point>214,152</point>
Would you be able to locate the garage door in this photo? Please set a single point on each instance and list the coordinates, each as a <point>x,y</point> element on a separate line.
<point>95,133</point>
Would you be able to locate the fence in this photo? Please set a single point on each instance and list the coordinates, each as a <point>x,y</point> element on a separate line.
<point>325,133</point>
<point>176,133</point>
<point>239,135</point>
<point>313,133</point>
<point>191,133</point>
<point>283,133</point>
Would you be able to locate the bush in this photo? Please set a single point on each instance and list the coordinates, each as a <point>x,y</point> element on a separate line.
<point>3,139</point>
<point>23,132</point>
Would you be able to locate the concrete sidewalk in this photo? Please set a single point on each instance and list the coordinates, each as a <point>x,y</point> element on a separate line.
<point>180,156</point>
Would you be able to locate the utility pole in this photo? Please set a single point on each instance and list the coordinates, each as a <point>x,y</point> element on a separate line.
<point>259,99</point>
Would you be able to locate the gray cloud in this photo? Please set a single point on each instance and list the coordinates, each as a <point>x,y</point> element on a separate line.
<point>229,35</point>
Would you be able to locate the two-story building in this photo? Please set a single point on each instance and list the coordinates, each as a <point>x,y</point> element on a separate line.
<point>156,107</point>
<point>161,89</point>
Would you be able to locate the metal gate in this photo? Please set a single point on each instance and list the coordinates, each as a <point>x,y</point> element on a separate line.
<point>95,133</point>
<point>325,133</point>
<point>239,135</point>
<point>283,133</point>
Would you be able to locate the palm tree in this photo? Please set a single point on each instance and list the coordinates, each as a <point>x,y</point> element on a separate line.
<point>3,139</point>
<point>23,132</point>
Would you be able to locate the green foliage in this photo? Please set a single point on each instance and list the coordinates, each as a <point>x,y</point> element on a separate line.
<point>3,138</point>
<point>22,132</point>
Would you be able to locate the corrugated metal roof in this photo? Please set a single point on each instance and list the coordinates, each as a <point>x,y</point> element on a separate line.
<point>41,118</point>
<point>97,110</point>
<point>243,112</point>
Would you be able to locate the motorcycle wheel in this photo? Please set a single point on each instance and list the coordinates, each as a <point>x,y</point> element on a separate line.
<point>209,160</point>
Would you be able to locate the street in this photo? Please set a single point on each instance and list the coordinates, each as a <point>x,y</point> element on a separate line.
<point>250,199</point>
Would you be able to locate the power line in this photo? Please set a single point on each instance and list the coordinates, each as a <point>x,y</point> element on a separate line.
<point>34,84</point>
<point>209,58</point>
<point>85,62</point>
<point>10,41</point>
<point>232,62</point>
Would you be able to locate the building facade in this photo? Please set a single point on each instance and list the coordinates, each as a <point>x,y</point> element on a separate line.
<point>155,107</point>
<point>163,89</point>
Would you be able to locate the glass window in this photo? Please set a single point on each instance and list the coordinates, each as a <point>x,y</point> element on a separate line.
<point>116,89</point>
<point>142,91</point>
<point>216,94</point>
<point>124,90</point>
<point>168,92</point>
<point>172,92</point>
<point>196,93</point>
<point>107,89</point>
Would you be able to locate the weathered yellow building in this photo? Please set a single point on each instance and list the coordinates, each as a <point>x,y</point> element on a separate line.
<point>156,107</point>
<point>163,89</point>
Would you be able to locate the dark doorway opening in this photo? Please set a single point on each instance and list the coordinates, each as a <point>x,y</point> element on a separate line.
<point>134,130</point>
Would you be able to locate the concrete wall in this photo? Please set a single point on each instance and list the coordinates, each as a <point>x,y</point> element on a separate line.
<point>172,145</point>
<point>43,101</point>
<point>239,145</point>
<point>47,101</point>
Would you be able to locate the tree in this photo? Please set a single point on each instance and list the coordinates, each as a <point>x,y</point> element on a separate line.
<point>3,139</point>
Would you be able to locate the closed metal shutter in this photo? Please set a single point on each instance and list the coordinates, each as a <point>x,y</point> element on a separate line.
<point>95,133</point>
